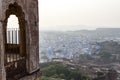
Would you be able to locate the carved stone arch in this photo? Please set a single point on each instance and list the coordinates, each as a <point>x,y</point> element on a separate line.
<point>28,63</point>
<point>15,9</point>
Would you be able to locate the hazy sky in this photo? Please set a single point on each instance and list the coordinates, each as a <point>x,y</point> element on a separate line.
<point>93,13</point>
<point>12,22</point>
<point>69,14</point>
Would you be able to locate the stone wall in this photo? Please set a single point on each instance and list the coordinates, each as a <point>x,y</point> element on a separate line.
<point>31,20</point>
<point>2,69</point>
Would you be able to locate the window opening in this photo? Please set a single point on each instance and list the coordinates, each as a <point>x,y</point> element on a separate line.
<point>12,30</point>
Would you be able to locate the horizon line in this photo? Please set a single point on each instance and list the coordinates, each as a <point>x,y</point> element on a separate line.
<point>82,29</point>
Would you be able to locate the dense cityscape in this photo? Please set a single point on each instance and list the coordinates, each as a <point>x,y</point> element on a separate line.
<point>89,51</point>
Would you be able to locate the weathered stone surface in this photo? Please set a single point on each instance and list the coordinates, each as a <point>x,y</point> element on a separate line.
<point>34,76</point>
<point>2,69</point>
<point>29,19</point>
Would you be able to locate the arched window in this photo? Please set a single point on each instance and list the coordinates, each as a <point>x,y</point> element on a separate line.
<point>15,42</point>
<point>12,30</point>
<point>13,58</point>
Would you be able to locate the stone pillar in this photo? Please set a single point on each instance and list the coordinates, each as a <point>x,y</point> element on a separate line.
<point>2,68</point>
<point>32,36</point>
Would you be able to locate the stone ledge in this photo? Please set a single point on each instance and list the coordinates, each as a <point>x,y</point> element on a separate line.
<point>34,76</point>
